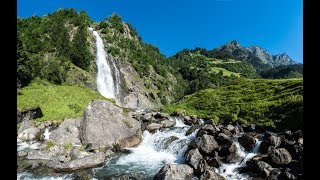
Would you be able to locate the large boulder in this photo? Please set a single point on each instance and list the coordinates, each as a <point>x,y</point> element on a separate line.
<point>247,141</point>
<point>77,164</point>
<point>193,157</point>
<point>105,125</point>
<point>66,133</point>
<point>29,134</point>
<point>280,157</point>
<point>206,143</point>
<point>174,172</point>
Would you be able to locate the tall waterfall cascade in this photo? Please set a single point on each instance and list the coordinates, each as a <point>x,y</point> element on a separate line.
<point>108,76</point>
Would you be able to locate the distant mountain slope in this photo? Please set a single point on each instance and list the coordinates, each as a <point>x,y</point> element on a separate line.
<point>257,56</point>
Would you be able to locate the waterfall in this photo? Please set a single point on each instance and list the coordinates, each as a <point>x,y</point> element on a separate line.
<point>106,84</point>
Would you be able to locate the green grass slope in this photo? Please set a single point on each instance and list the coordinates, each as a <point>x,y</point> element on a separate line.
<point>56,102</point>
<point>275,103</point>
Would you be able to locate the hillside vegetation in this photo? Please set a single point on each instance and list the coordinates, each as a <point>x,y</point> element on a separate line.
<point>275,103</point>
<point>56,102</point>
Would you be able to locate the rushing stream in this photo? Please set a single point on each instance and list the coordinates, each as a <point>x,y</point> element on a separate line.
<point>156,150</point>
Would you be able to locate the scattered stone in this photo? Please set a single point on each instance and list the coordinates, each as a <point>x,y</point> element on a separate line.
<point>174,172</point>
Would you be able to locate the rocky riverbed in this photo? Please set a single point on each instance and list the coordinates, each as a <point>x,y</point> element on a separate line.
<point>111,143</point>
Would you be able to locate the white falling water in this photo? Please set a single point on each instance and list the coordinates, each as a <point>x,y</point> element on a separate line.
<point>229,171</point>
<point>105,82</point>
<point>46,133</point>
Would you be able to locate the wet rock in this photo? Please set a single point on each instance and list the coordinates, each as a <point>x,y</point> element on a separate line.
<point>227,149</point>
<point>201,167</point>
<point>210,174</point>
<point>29,134</point>
<point>247,141</point>
<point>153,127</point>
<point>167,141</point>
<point>193,157</point>
<point>280,157</point>
<point>161,115</point>
<point>232,158</point>
<point>290,176</point>
<point>174,171</point>
<point>206,129</point>
<point>230,127</point>
<point>214,161</point>
<point>207,143</point>
<point>300,141</point>
<point>192,129</point>
<point>263,169</point>
<point>25,125</point>
<point>274,174</point>
<point>147,117</point>
<point>167,123</point>
<point>223,139</point>
<point>78,164</point>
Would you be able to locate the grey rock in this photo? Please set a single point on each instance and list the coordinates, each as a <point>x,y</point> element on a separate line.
<point>192,129</point>
<point>109,153</point>
<point>247,141</point>
<point>207,143</point>
<point>67,132</point>
<point>223,139</point>
<point>29,134</point>
<point>174,172</point>
<point>193,157</point>
<point>25,125</point>
<point>153,127</point>
<point>77,164</point>
<point>167,141</point>
<point>230,127</point>
<point>280,156</point>
<point>105,124</point>
<point>210,174</point>
<point>167,123</point>
<point>274,174</point>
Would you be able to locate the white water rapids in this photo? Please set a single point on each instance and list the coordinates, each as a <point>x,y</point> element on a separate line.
<point>106,84</point>
<point>156,150</point>
<point>229,171</point>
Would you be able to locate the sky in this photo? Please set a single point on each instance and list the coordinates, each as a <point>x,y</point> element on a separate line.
<point>173,25</point>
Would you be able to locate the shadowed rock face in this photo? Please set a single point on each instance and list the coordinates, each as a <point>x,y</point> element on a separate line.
<point>105,125</point>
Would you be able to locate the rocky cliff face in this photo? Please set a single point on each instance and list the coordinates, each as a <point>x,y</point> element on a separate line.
<point>255,55</point>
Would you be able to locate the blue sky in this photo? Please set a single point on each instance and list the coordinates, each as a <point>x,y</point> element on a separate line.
<point>173,25</point>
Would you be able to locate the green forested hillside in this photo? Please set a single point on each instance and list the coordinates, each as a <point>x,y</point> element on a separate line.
<point>46,46</point>
<point>259,101</point>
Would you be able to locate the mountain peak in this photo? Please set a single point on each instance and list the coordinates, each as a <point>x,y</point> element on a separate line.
<point>234,43</point>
